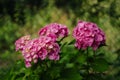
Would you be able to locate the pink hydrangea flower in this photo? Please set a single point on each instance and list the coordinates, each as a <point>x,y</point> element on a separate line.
<point>49,48</point>
<point>53,52</point>
<point>58,30</point>
<point>20,43</point>
<point>41,48</point>
<point>87,34</point>
<point>29,53</point>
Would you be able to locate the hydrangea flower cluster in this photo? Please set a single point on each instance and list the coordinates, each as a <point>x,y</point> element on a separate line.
<point>87,34</point>
<point>20,43</point>
<point>54,29</point>
<point>42,47</point>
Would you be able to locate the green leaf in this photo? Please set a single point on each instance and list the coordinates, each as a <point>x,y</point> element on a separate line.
<point>71,49</point>
<point>54,72</point>
<point>100,65</point>
<point>72,42</point>
<point>81,59</point>
<point>63,45</point>
<point>69,65</point>
<point>70,74</point>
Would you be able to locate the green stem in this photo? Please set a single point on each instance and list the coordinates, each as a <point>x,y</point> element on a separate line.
<point>61,39</point>
<point>94,54</point>
<point>94,58</point>
<point>87,63</point>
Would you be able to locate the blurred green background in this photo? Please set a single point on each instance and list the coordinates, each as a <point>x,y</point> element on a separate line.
<point>22,17</point>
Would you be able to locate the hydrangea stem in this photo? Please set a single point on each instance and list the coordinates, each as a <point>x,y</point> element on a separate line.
<point>87,69</point>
